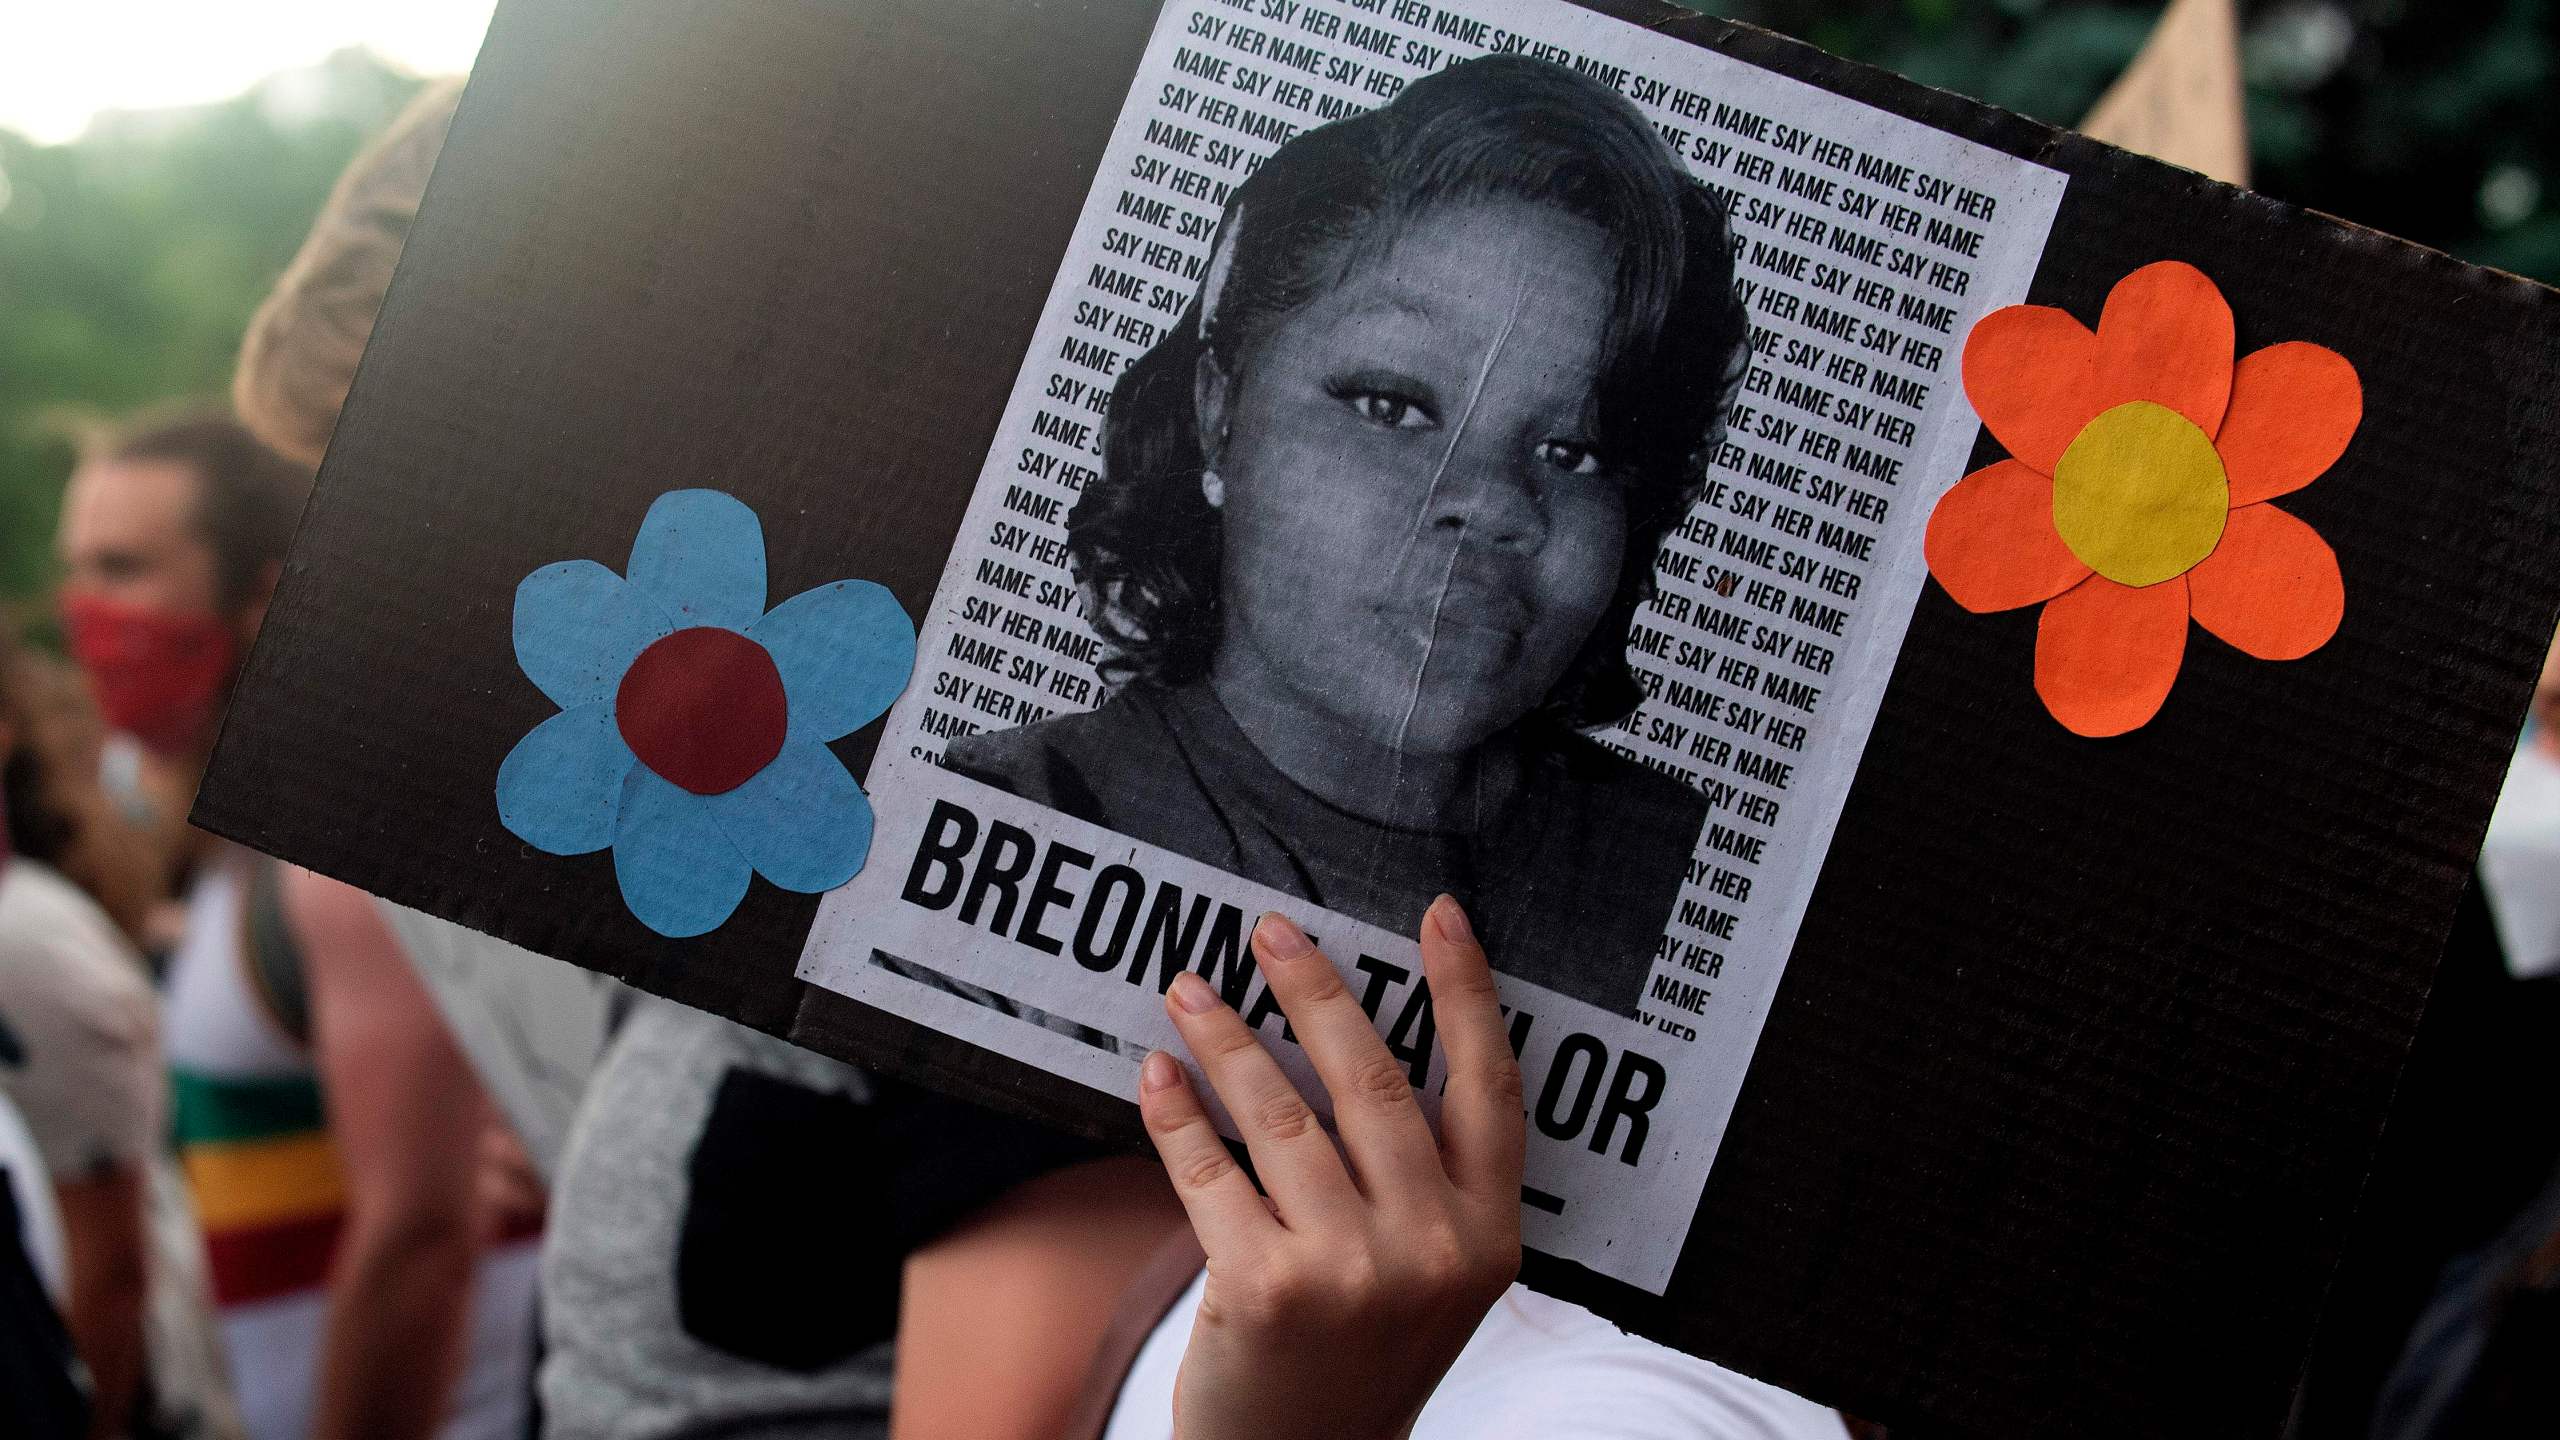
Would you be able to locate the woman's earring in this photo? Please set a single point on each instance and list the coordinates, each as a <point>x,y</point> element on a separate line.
<point>1213,489</point>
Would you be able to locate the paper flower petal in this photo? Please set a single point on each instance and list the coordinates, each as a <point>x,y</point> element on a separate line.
<point>2271,588</point>
<point>2294,407</point>
<point>802,821</point>
<point>845,651</point>
<point>679,872</point>
<point>577,628</point>
<point>2165,336</point>
<point>1992,544</point>
<point>689,830</point>
<point>700,553</point>
<point>2106,654</point>
<point>560,789</point>
<point>2031,373</point>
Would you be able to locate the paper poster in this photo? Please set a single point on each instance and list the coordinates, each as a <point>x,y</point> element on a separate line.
<point>1368,532</point>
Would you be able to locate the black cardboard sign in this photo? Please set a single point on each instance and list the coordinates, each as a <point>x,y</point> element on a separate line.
<point>2083,1047</point>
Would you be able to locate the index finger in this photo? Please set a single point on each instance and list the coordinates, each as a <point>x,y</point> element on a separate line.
<point>1483,1128</point>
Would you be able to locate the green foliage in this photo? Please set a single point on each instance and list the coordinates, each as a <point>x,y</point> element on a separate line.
<point>2429,119</point>
<point>130,261</point>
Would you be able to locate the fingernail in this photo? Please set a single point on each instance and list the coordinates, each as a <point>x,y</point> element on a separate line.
<point>1193,993</point>
<point>1451,917</point>
<point>1159,1073</point>
<point>1281,936</point>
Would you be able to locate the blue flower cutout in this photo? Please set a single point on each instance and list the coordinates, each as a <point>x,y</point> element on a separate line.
<point>693,726</point>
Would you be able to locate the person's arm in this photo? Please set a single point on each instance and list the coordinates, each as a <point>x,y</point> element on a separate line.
<point>406,1114</point>
<point>103,1233</point>
<point>1030,1278</point>
<point>1335,1307</point>
<point>92,1089</point>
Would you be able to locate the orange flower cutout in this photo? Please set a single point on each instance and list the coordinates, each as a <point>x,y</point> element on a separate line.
<point>2136,496</point>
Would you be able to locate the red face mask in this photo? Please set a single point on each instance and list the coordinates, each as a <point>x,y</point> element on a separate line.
<point>158,675</point>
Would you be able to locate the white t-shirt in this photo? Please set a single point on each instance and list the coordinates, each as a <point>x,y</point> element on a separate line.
<point>86,1072</point>
<point>1537,1369</point>
<point>39,1221</point>
<point>87,1077</point>
<point>2520,862</point>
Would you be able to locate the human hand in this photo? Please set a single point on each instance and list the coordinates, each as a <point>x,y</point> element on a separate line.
<point>1335,1308</point>
<point>513,1196</point>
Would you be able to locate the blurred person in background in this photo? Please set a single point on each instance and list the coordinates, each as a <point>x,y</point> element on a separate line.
<point>63,751</point>
<point>299,355</point>
<point>83,1065</point>
<point>40,1378</point>
<point>330,1130</point>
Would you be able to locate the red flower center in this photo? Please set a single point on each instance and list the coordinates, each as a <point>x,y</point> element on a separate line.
<point>704,708</point>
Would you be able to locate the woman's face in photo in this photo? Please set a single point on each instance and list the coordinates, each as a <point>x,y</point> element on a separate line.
<point>1420,531</point>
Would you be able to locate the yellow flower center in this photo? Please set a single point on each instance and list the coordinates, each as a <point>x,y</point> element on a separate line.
<point>2141,496</point>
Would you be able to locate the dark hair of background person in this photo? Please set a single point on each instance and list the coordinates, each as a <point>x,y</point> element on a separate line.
<point>300,352</point>
<point>57,812</point>
<point>248,497</point>
<point>38,828</point>
<point>1146,542</point>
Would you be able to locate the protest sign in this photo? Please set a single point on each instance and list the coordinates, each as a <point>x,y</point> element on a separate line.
<point>1960,669</point>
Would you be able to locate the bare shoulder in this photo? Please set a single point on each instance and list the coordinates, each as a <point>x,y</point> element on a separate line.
<point>344,942</point>
<point>308,894</point>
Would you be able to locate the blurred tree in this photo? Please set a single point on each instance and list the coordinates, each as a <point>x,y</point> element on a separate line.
<point>2430,119</point>
<point>131,258</point>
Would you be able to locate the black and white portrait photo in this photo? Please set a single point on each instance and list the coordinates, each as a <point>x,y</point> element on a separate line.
<point>1375,516</point>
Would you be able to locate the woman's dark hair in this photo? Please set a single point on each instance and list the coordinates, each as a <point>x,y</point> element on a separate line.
<point>1144,540</point>
<point>37,826</point>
